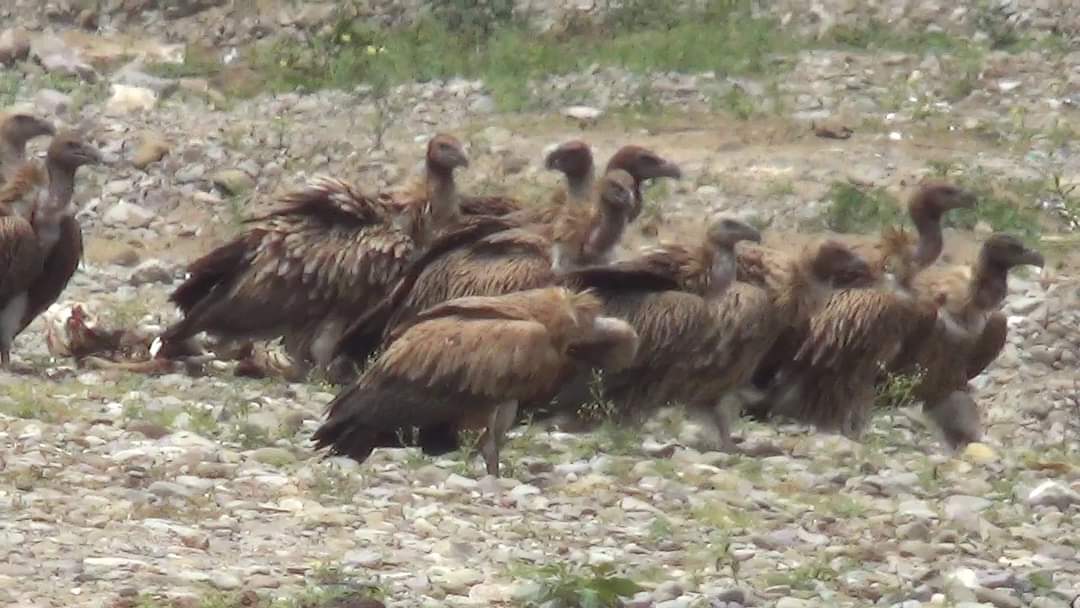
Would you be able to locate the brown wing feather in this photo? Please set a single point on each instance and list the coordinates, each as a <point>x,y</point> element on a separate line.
<point>58,269</point>
<point>20,257</point>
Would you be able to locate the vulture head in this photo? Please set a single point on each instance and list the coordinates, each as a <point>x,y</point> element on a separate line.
<point>724,232</point>
<point>573,159</point>
<point>18,128</point>
<point>989,282</point>
<point>643,164</point>
<point>834,263</point>
<point>1005,251</point>
<point>934,199</point>
<point>445,153</point>
<point>68,151</point>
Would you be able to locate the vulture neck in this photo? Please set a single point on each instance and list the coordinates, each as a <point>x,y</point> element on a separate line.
<point>989,285</point>
<point>58,198</point>
<point>579,187</point>
<point>722,266</point>
<point>605,233</point>
<point>931,241</point>
<point>442,195</point>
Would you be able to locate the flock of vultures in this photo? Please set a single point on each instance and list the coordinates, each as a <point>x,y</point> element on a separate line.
<point>441,311</point>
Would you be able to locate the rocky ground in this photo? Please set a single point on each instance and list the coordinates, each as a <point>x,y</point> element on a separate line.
<point>127,490</point>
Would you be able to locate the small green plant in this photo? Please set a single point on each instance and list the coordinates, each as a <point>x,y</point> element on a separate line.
<point>598,409</point>
<point>854,210</point>
<point>331,482</point>
<point>594,586</point>
<point>10,84</point>
<point>898,388</point>
<point>738,102</point>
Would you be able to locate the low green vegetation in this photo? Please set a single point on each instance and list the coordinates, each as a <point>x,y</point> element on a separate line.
<point>561,585</point>
<point>852,209</point>
<point>476,39</point>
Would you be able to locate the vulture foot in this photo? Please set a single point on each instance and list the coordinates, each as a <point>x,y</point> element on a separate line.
<point>957,417</point>
<point>499,422</point>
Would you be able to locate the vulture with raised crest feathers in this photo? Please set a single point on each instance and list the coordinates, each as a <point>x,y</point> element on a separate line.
<point>826,373</point>
<point>467,364</point>
<point>40,239</point>
<point>327,254</point>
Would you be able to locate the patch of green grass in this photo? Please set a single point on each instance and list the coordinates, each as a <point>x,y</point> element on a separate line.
<point>33,402</point>
<point>10,84</point>
<point>330,481</point>
<point>723,36</point>
<point>852,209</point>
<point>722,516</point>
<point>593,586</point>
<point>778,187</point>
<point>804,576</point>
<point>160,417</point>
<point>738,103</point>
<point>198,63</point>
<point>1006,206</point>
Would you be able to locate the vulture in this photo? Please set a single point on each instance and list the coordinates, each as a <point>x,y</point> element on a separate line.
<point>824,372</point>
<point>493,258</point>
<point>700,331</point>
<point>40,239</point>
<point>969,332</point>
<point>326,254</point>
<point>16,130</point>
<point>466,364</point>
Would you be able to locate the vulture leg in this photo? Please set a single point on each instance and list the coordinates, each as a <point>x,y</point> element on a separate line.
<point>326,338</point>
<point>499,422</point>
<point>10,318</point>
<point>718,413</point>
<point>957,415</point>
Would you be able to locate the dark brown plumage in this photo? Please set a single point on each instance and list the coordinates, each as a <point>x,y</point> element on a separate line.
<point>327,254</point>
<point>476,261</point>
<point>16,130</point>
<point>694,349</point>
<point>467,363</point>
<point>35,272</point>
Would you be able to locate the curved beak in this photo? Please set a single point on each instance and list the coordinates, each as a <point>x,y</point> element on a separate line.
<point>92,156</point>
<point>44,127</point>
<point>1033,258</point>
<point>669,169</point>
<point>751,234</point>
<point>966,200</point>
